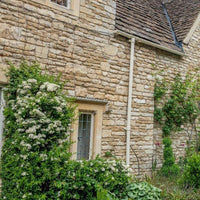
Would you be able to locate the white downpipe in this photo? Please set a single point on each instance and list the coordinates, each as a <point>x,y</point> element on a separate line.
<point>128,129</point>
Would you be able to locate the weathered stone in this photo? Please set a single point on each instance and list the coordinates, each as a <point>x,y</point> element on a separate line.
<point>111,50</point>
<point>41,52</point>
<point>80,91</point>
<point>105,66</point>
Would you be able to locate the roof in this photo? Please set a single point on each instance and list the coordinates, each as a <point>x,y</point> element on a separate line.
<point>183,13</point>
<point>150,20</point>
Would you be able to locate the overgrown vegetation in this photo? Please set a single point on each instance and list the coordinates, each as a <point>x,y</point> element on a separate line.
<point>171,189</point>
<point>36,163</point>
<point>177,110</point>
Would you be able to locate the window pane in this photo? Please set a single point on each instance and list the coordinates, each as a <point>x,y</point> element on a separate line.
<point>84,135</point>
<point>61,2</point>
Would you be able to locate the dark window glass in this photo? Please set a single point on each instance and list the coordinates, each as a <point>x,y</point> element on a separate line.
<point>61,2</point>
<point>84,136</point>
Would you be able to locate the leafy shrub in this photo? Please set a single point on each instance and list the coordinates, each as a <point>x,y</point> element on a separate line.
<point>83,179</point>
<point>142,191</point>
<point>36,146</point>
<point>191,176</point>
<point>169,167</point>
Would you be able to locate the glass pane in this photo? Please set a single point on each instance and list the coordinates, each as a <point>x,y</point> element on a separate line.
<point>61,2</point>
<point>84,133</point>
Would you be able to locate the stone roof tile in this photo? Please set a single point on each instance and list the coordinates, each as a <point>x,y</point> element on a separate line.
<point>147,19</point>
<point>183,14</point>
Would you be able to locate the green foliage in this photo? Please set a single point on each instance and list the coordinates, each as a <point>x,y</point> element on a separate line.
<point>160,89</point>
<point>84,179</point>
<point>24,72</point>
<point>171,189</point>
<point>104,194</point>
<point>142,191</point>
<point>36,146</point>
<point>191,176</point>
<point>177,103</point>
<point>176,109</point>
<point>169,167</point>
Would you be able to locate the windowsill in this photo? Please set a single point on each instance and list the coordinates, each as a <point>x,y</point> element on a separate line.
<point>75,6</point>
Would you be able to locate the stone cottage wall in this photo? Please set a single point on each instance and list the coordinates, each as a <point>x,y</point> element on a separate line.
<point>173,65</point>
<point>84,49</point>
<point>96,63</point>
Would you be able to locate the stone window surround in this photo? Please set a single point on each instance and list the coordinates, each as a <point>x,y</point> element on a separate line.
<point>74,4</point>
<point>97,128</point>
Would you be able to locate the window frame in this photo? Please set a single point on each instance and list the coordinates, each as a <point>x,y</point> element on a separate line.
<point>97,111</point>
<point>73,10</point>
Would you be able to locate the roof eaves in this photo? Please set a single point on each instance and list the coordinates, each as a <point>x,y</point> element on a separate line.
<point>127,35</point>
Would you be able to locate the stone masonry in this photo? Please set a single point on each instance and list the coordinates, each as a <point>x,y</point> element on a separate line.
<point>96,64</point>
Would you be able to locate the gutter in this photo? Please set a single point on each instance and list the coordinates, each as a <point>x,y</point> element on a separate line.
<point>127,35</point>
<point>128,128</point>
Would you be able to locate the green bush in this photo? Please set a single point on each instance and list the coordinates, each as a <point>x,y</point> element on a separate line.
<point>83,179</point>
<point>36,146</point>
<point>191,176</point>
<point>169,167</point>
<point>142,191</point>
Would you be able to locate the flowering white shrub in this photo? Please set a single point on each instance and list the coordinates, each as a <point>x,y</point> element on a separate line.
<point>37,120</point>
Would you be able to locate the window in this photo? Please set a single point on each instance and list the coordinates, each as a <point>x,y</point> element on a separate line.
<point>87,130</point>
<point>85,136</point>
<point>1,116</point>
<point>71,7</point>
<point>65,3</point>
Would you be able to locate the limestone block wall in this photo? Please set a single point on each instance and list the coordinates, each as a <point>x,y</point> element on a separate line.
<point>84,49</point>
<point>96,64</point>
<point>173,65</point>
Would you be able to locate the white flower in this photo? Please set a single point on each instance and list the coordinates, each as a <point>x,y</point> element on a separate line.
<point>23,156</point>
<point>52,87</point>
<point>42,87</point>
<point>32,81</point>
<point>102,169</point>
<point>38,113</point>
<point>43,156</point>
<point>31,130</point>
<point>23,174</point>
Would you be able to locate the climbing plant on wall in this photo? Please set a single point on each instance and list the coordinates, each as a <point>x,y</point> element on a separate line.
<point>177,109</point>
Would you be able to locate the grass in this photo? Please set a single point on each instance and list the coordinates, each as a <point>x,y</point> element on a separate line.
<point>171,189</point>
